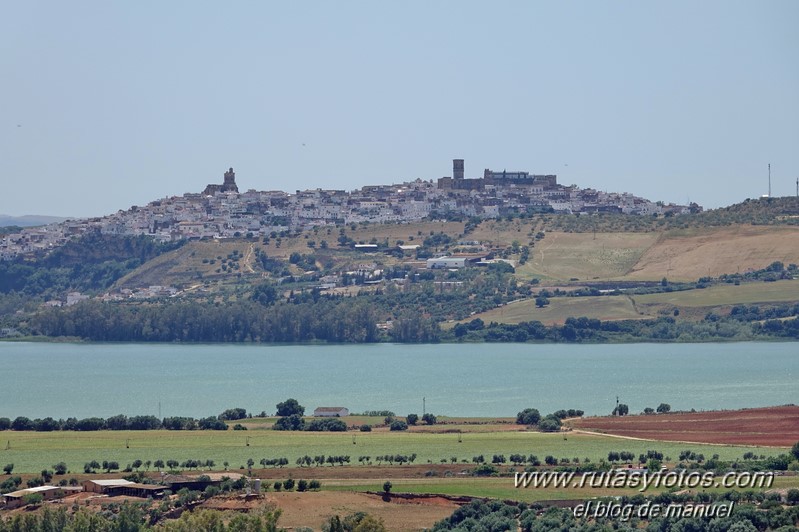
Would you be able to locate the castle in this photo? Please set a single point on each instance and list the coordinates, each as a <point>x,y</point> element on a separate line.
<point>491,178</point>
<point>229,185</point>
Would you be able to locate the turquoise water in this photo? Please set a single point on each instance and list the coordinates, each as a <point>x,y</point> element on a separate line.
<point>82,380</point>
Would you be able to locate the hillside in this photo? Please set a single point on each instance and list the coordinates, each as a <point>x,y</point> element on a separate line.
<point>558,257</point>
<point>353,282</point>
<point>28,220</point>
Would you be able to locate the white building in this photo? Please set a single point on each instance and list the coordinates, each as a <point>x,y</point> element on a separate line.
<point>446,263</point>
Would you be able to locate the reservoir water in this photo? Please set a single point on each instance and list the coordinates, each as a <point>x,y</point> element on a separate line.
<point>83,380</point>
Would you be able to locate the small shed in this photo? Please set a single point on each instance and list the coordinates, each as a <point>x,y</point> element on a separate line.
<point>331,411</point>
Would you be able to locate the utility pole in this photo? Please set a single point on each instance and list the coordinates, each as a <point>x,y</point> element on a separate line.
<point>424,411</point>
<point>769,180</point>
<point>797,187</point>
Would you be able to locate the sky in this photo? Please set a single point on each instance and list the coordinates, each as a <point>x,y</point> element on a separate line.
<point>108,104</point>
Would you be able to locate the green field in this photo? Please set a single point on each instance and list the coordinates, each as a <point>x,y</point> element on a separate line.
<point>646,306</point>
<point>727,294</point>
<point>31,452</point>
<point>503,488</point>
<point>560,308</point>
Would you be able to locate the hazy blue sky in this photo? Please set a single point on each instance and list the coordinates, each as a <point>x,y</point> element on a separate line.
<point>107,104</point>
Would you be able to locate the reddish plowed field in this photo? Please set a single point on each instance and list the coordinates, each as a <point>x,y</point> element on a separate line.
<point>776,426</point>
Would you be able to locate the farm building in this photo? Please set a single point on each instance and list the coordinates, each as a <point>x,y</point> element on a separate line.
<point>331,411</point>
<point>137,490</point>
<point>15,499</point>
<point>103,486</point>
<point>446,263</point>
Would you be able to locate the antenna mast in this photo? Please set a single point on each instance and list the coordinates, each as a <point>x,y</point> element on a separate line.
<point>769,180</point>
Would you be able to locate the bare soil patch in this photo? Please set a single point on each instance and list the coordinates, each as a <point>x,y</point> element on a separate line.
<point>773,426</point>
<point>315,508</point>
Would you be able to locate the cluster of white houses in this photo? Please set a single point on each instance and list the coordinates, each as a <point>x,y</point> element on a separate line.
<point>221,211</point>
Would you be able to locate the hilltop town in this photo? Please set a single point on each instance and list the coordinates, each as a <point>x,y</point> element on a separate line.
<point>221,211</point>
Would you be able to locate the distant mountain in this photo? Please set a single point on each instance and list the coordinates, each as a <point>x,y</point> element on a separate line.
<point>29,220</point>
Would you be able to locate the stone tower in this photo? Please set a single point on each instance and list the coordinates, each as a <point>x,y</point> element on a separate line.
<point>230,182</point>
<point>457,168</point>
<point>229,185</point>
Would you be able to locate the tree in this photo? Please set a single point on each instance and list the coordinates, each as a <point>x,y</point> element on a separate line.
<point>22,423</point>
<point>90,424</point>
<point>118,422</point>
<point>232,414</point>
<point>476,325</point>
<point>387,487</point>
<point>429,419</point>
<point>370,523</point>
<point>663,408</point>
<point>794,451</point>
<point>290,407</point>
<point>549,424</point>
<point>60,468</point>
<point>621,410</point>
<point>528,416</point>
<point>334,525</point>
<point>265,294</point>
<point>33,498</point>
<point>412,419</point>
<point>212,423</point>
<point>8,468</point>
<point>541,302</point>
<point>398,425</point>
<point>47,424</point>
<point>292,422</point>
